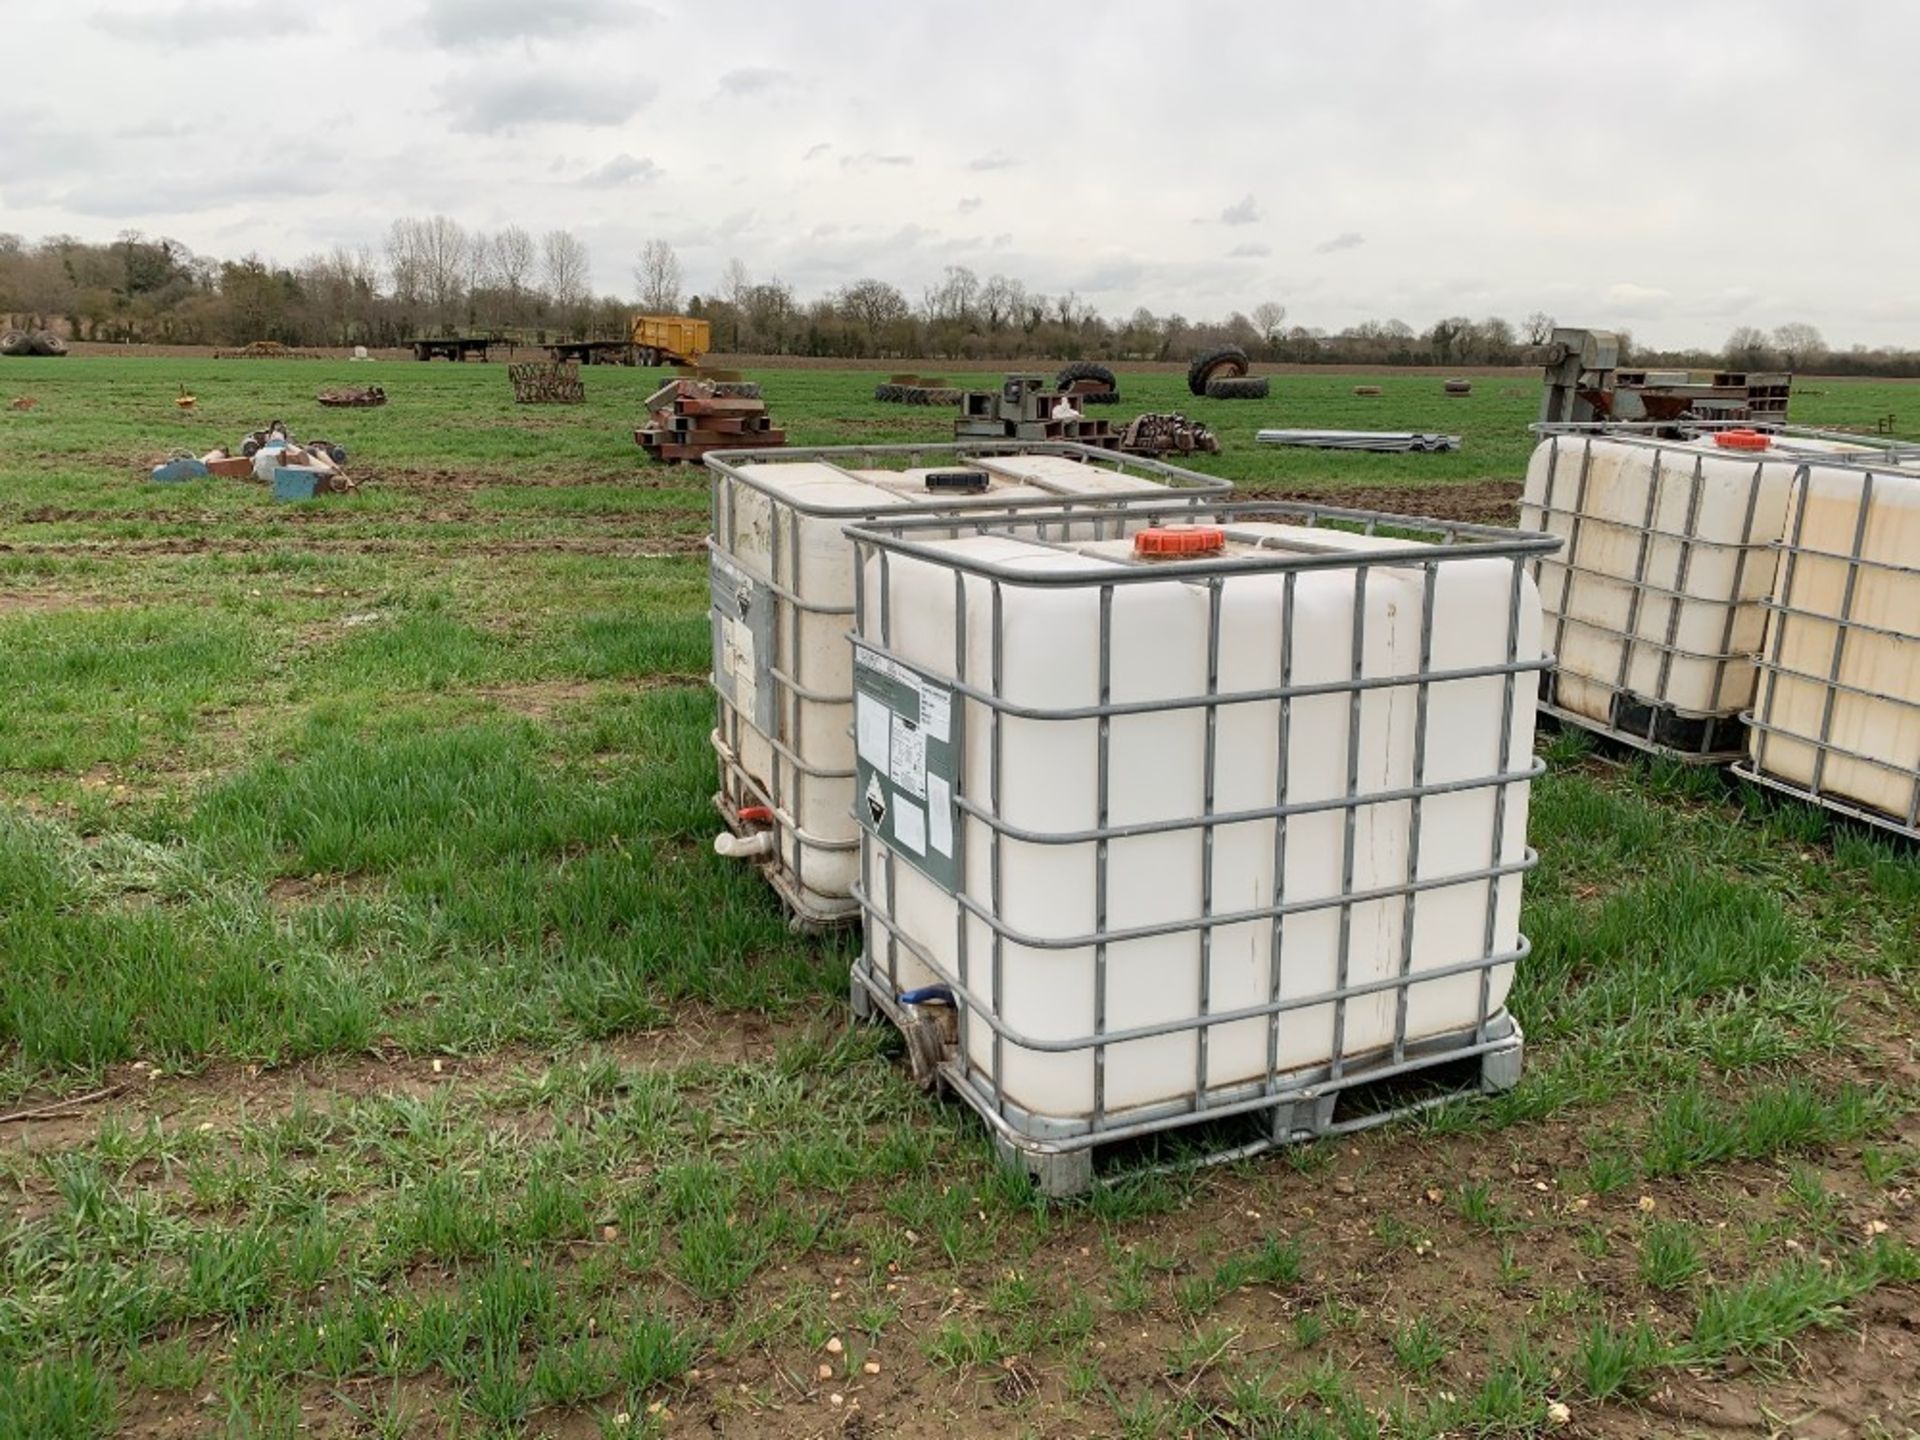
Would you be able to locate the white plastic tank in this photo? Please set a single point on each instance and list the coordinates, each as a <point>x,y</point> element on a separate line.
<point>1837,712</point>
<point>1655,606</point>
<point>1099,935</point>
<point>782,603</point>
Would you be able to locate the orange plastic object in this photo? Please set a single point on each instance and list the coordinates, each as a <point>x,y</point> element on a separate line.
<point>1179,540</point>
<point>1741,440</point>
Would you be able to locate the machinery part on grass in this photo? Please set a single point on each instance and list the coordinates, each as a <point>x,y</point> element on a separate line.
<point>1167,433</point>
<point>22,403</point>
<point>1366,390</point>
<point>545,383</point>
<point>15,342</point>
<point>1088,381</point>
<point>1022,409</point>
<point>179,467</point>
<point>932,391</point>
<point>1457,387</point>
<point>1584,383</point>
<point>352,396</point>
<point>1224,360</point>
<point>45,342</point>
<point>1238,387</point>
<point>1384,440</point>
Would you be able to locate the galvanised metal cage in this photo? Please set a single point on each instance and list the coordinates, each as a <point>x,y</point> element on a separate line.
<point>947,981</point>
<point>1655,616</point>
<point>1836,720</point>
<point>801,698</point>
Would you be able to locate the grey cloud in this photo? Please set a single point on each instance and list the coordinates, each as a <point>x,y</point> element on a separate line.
<point>203,24</point>
<point>467,24</point>
<point>179,194</point>
<point>1251,251</point>
<point>998,160</point>
<point>815,150</point>
<point>969,204</point>
<point>1243,212</point>
<point>869,157</point>
<point>620,170</point>
<point>754,80</point>
<point>1345,240</point>
<point>483,105</point>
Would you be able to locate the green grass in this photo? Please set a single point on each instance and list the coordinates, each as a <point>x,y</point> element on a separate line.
<point>492,1102</point>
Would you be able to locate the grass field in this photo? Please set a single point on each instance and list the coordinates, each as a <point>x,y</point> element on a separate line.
<point>357,852</point>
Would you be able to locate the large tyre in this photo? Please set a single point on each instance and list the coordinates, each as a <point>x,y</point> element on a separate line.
<point>1087,370</point>
<point>45,342</point>
<point>1226,360</point>
<point>15,342</point>
<point>1238,387</point>
<point>1098,397</point>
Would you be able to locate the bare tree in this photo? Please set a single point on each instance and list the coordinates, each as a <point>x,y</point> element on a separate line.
<point>1799,344</point>
<point>1268,316</point>
<point>514,257</point>
<point>657,276</point>
<point>565,272</point>
<point>1747,348</point>
<point>1537,328</point>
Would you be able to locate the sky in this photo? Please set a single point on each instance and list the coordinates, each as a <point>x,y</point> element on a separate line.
<point>1677,169</point>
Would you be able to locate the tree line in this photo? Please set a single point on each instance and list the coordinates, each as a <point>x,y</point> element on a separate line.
<point>433,276</point>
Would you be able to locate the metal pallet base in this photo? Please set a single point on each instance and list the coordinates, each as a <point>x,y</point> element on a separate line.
<point>807,914</point>
<point>1360,1099</point>
<point>1746,771</point>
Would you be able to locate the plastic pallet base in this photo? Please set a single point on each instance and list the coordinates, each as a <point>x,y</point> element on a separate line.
<point>1656,729</point>
<point>1312,1112</point>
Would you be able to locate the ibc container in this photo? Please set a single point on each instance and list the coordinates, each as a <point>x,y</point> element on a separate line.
<point>782,597</point>
<point>1186,833</point>
<point>1836,718</point>
<point>1655,607</point>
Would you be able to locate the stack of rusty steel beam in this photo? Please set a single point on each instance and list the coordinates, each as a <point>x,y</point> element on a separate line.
<point>686,419</point>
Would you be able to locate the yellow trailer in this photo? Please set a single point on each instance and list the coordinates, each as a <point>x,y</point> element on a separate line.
<point>670,339</point>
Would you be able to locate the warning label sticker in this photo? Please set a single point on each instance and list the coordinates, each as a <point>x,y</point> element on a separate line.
<point>907,756</point>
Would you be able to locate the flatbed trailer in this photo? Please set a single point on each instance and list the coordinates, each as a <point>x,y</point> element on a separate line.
<point>454,347</point>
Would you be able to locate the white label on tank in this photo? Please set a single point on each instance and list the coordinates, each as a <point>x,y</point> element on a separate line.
<point>935,704</point>
<point>910,825</point>
<point>940,814</point>
<point>737,653</point>
<point>908,767</point>
<point>872,725</point>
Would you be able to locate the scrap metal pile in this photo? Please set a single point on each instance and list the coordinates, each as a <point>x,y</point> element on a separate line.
<point>1394,441</point>
<point>294,470</point>
<point>687,418</point>
<point>1024,408</point>
<point>352,396</point>
<point>1167,434</point>
<point>547,384</point>
<point>266,350</point>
